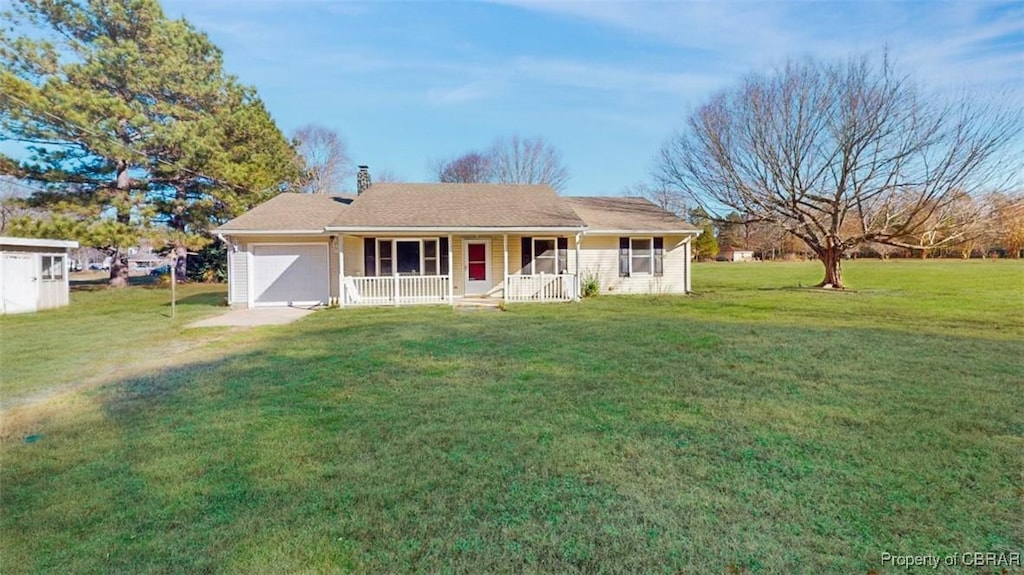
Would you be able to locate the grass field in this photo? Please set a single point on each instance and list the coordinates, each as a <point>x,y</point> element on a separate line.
<point>754,427</point>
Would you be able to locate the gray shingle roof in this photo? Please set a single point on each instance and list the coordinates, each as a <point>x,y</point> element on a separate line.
<point>288,211</point>
<point>388,205</point>
<point>626,214</point>
<point>458,205</point>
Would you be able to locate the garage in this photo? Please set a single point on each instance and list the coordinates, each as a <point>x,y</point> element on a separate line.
<point>290,274</point>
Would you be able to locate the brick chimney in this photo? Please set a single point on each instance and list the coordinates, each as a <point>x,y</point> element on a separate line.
<point>363,179</point>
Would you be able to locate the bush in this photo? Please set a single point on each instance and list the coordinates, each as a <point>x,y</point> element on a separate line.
<point>209,264</point>
<point>591,285</point>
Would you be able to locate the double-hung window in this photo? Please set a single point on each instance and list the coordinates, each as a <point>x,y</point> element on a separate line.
<point>545,255</point>
<point>641,256</point>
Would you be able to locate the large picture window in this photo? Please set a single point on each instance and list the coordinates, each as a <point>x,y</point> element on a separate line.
<point>405,256</point>
<point>641,256</point>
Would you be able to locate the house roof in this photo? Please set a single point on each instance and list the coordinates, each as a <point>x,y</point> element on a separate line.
<point>392,205</point>
<point>396,207</point>
<point>619,214</point>
<point>290,212</point>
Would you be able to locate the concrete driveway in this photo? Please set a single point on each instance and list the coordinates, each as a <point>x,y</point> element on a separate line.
<point>249,317</point>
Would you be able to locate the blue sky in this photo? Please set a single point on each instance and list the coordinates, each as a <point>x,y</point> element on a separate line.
<point>605,82</point>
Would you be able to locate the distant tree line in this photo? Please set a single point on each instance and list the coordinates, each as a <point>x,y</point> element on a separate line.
<point>995,230</point>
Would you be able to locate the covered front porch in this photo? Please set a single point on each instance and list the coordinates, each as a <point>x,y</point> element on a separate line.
<point>403,269</point>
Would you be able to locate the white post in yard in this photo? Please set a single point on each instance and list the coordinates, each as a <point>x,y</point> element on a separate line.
<point>451,271</point>
<point>504,277</point>
<point>174,282</point>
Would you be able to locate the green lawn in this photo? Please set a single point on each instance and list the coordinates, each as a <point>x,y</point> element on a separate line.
<point>97,333</point>
<point>755,427</point>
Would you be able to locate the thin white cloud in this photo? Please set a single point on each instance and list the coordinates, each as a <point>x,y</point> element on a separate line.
<point>940,40</point>
<point>462,94</point>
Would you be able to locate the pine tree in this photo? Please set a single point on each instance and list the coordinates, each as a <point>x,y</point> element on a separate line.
<point>131,125</point>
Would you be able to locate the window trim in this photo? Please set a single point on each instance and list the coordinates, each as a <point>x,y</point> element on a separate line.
<point>46,274</point>
<point>394,241</point>
<point>533,249</point>
<point>657,261</point>
<point>649,256</point>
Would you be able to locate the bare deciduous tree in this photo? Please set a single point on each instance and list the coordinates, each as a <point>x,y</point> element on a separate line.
<point>324,153</point>
<point>388,176</point>
<point>661,196</point>
<point>1007,222</point>
<point>469,168</point>
<point>527,161</point>
<point>814,147</point>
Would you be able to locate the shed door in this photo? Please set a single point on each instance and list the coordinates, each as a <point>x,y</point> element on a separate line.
<point>290,274</point>
<point>20,283</point>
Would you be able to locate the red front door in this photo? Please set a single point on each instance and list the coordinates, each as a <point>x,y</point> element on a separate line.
<point>478,279</point>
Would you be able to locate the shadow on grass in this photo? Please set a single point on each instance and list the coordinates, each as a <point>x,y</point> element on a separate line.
<point>422,440</point>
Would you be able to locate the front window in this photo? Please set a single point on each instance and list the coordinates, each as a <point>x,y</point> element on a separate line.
<point>409,263</point>
<point>429,257</point>
<point>386,265</point>
<point>545,256</point>
<point>53,268</point>
<point>641,257</point>
<point>407,257</point>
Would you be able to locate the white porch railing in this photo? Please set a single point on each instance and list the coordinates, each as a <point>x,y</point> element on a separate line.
<point>395,290</point>
<point>541,287</point>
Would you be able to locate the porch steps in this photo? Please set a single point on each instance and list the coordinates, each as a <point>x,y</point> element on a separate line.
<point>477,304</point>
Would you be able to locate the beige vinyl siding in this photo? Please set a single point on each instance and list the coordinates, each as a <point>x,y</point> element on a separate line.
<point>354,257</point>
<point>238,278</point>
<point>599,255</point>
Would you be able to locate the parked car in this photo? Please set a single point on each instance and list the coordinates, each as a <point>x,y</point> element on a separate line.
<point>160,271</point>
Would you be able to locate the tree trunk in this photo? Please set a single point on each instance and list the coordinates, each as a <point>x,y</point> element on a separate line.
<point>118,260</point>
<point>180,261</point>
<point>118,270</point>
<point>832,259</point>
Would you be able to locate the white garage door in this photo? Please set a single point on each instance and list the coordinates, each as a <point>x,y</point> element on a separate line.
<point>290,274</point>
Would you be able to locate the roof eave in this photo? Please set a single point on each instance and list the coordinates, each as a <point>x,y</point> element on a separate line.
<point>607,232</point>
<point>258,232</point>
<point>37,242</point>
<point>454,229</point>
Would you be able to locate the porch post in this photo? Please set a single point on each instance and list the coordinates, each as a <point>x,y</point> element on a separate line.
<point>451,271</point>
<point>579,280</point>
<point>341,270</point>
<point>504,277</point>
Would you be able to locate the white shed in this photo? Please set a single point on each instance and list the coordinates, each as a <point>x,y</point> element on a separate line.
<point>33,274</point>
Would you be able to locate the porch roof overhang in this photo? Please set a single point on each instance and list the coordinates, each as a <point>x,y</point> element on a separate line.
<point>444,230</point>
